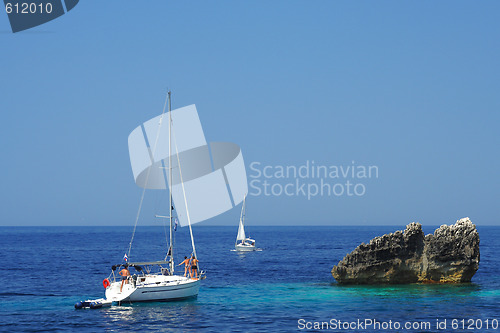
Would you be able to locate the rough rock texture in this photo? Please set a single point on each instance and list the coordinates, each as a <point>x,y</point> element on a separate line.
<point>450,255</point>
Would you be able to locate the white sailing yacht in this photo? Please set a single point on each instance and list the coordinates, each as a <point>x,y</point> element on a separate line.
<point>212,180</point>
<point>245,243</point>
<point>154,280</point>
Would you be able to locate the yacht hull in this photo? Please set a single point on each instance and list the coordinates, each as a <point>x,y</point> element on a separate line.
<point>245,248</point>
<point>166,288</point>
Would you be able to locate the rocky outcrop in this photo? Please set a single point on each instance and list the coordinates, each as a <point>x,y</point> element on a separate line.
<point>450,255</point>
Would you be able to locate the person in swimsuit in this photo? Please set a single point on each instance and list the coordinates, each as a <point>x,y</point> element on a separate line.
<point>194,266</point>
<point>186,265</point>
<point>125,273</point>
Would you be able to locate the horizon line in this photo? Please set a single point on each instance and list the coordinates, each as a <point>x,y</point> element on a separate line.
<point>258,225</point>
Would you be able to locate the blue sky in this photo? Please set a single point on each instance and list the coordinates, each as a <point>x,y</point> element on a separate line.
<point>412,88</point>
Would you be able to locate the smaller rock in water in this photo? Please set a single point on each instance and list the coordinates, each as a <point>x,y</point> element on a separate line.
<point>450,255</point>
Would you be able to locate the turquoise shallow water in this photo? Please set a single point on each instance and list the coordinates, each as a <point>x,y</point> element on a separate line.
<point>46,270</point>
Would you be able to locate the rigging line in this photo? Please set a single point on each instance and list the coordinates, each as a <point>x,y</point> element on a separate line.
<point>147,178</point>
<point>166,234</point>
<point>157,209</point>
<point>185,199</point>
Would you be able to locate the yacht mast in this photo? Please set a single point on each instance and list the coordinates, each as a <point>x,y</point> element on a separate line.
<point>171,249</point>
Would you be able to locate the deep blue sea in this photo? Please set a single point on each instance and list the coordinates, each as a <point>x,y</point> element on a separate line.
<point>286,287</point>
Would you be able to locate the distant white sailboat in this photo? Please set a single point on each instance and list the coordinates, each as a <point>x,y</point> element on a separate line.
<point>243,243</point>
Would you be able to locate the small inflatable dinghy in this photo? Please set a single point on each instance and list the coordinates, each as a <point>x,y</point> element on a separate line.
<point>93,304</point>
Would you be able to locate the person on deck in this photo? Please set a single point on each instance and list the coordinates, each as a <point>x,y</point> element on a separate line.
<point>194,266</point>
<point>124,273</point>
<point>186,265</point>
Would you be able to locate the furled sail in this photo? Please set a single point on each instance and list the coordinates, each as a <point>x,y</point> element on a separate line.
<point>213,175</point>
